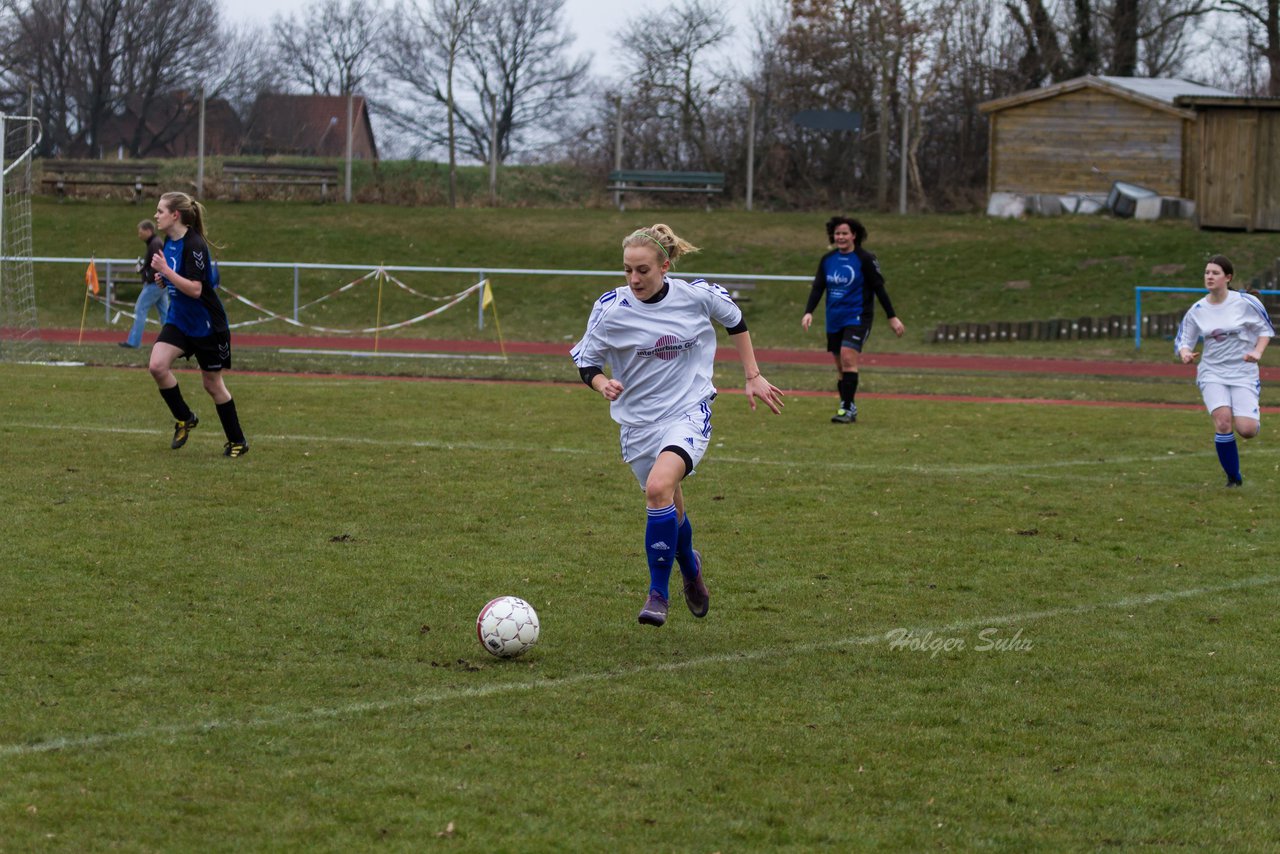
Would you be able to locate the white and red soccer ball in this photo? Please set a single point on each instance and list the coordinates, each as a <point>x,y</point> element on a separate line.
<point>507,626</point>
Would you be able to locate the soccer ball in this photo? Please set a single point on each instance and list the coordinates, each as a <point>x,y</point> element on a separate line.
<point>507,626</point>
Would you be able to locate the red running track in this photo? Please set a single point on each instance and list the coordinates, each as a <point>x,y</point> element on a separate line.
<point>907,361</point>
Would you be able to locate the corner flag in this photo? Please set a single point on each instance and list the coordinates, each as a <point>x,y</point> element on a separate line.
<point>487,299</point>
<point>91,277</point>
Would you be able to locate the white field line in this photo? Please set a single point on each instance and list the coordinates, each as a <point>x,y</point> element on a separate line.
<point>433,698</point>
<point>1027,469</point>
<point>367,354</point>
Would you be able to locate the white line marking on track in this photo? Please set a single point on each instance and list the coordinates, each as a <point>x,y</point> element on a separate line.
<point>431,698</point>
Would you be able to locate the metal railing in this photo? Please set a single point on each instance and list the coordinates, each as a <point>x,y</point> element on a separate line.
<point>727,280</point>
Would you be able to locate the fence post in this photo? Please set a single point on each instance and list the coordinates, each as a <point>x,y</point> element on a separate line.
<point>1137,318</point>
<point>480,303</point>
<point>295,293</point>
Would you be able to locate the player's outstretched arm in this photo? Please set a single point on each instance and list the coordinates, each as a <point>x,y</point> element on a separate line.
<point>757,386</point>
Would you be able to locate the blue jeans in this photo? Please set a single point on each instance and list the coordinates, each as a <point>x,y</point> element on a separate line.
<point>152,295</point>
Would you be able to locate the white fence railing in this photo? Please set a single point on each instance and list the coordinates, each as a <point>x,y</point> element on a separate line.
<point>126,266</point>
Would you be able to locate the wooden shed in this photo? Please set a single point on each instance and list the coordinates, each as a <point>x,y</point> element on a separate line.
<point>1238,153</point>
<point>1080,136</point>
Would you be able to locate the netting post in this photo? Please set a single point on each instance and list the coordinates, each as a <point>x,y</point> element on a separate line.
<point>480,303</point>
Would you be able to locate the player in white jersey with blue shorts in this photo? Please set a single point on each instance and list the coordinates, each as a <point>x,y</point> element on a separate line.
<point>655,335</point>
<point>1236,330</point>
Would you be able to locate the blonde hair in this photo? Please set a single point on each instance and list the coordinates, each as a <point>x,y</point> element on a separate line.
<point>670,244</point>
<point>188,210</point>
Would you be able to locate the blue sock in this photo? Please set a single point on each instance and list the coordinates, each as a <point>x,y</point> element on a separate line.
<point>660,543</point>
<point>1228,454</point>
<point>684,550</point>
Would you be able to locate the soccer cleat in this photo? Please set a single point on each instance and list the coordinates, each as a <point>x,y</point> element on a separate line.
<point>235,449</point>
<point>1235,481</point>
<point>654,612</point>
<point>182,430</point>
<point>696,595</point>
<point>845,416</point>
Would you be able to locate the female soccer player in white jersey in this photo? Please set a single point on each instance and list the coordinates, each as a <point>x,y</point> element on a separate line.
<point>656,337</point>
<point>1236,330</point>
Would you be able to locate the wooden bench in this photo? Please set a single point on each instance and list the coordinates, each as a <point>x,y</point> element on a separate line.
<point>622,181</point>
<point>59,175</point>
<point>279,174</point>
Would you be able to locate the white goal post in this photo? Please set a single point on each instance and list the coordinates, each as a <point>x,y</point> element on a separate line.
<point>19,137</point>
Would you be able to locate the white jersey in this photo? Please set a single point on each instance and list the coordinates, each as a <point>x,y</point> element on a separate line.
<point>1229,329</point>
<point>663,353</point>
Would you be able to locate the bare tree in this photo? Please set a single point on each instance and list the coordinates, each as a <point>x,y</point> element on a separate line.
<point>517,58</point>
<point>330,48</point>
<point>671,81</point>
<point>1261,16</point>
<point>85,59</point>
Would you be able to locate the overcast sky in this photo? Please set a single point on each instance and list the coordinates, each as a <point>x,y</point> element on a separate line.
<point>592,21</point>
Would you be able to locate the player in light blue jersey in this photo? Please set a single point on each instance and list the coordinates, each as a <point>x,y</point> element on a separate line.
<point>655,335</point>
<point>1236,330</point>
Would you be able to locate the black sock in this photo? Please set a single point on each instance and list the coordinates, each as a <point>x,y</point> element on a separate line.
<point>230,422</point>
<point>848,387</point>
<point>178,406</point>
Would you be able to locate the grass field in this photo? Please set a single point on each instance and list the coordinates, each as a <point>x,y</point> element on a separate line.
<point>963,626</point>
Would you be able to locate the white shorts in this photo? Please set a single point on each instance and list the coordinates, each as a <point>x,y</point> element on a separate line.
<point>691,432</point>
<point>1242,400</point>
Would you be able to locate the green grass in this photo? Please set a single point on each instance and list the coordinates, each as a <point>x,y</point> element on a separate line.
<point>278,652</point>
<point>940,269</point>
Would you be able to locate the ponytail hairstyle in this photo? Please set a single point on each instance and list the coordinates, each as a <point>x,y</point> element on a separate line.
<point>670,245</point>
<point>859,230</point>
<point>189,211</point>
<point>1225,263</point>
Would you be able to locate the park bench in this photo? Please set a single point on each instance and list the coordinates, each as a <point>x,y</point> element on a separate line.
<point>279,175</point>
<point>623,181</point>
<point>64,175</point>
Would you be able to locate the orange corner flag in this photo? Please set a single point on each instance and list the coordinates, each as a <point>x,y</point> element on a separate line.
<point>91,277</point>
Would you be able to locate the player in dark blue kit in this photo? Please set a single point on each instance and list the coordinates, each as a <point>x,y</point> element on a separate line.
<point>850,276</point>
<point>196,324</point>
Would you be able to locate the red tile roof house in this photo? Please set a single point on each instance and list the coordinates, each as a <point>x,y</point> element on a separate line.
<point>309,126</point>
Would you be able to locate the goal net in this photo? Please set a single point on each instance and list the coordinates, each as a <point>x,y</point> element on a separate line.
<point>19,340</point>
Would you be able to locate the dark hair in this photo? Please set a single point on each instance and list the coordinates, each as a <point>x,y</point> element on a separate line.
<point>1224,262</point>
<point>859,230</point>
<point>147,225</point>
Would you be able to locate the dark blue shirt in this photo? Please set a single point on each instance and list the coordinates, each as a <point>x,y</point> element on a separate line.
<point>199,316</point>
<point>852,282</point>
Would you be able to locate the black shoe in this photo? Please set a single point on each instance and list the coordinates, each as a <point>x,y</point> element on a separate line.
<point>235,449</point>
<point>127,345</point>
<point>845,416</point>
<point>182,430</point>
<point>696,595</point>
<point>654,612</point>
<point>1235,481</point>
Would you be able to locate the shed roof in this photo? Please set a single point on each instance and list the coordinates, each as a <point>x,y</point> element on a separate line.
<point>1157,93</point>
